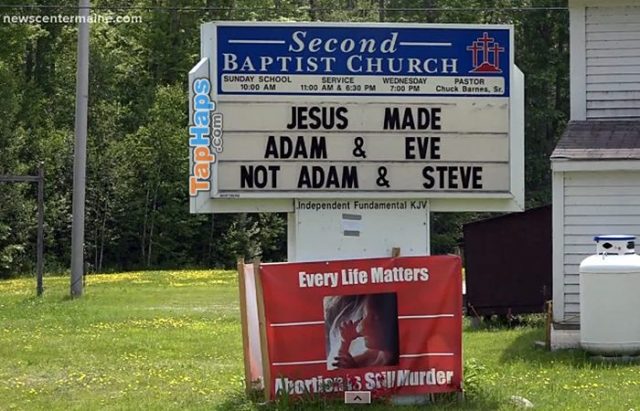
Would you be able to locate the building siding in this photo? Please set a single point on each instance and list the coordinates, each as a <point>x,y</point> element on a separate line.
<point>595,203</point>
<point>612,42</point>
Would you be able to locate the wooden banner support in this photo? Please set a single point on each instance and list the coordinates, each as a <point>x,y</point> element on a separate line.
<point>244,322</point>
<point>266,369</point>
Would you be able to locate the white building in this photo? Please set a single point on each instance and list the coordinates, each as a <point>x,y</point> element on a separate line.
<point>596,164</point>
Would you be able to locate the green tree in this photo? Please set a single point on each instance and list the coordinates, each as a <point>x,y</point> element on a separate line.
<point>137,203</point>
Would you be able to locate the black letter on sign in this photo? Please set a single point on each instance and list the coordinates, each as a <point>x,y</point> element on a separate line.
<point>344,121</point>
<point>382,177</point>
<point>426,173</point>
<point>391,119</point>
<point>358,151</point>
<point>272,148</point>
<point>477,177</point>
<point>350,177</point>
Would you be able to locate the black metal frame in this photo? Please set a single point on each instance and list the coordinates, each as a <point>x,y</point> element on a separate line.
<point>39,179</point>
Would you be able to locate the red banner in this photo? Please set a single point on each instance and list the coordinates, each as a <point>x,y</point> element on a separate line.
<point>387,325</point>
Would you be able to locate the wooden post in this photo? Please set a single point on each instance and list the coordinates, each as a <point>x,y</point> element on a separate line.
<point>395,252</point>
<point>264,348</point>
<point>244,324</point>
<point>40,235</point>
<point>548,321</point>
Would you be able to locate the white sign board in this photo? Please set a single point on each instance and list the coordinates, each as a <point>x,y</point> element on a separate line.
<point>356,228</point>
<point>305,110</point>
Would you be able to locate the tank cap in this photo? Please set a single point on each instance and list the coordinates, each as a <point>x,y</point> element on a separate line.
<point>615,244</point>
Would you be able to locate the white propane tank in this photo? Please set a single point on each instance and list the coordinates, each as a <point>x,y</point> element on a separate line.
<point>610,297</point>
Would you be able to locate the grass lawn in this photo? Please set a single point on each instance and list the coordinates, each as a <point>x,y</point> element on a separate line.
<point>171,340</point>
